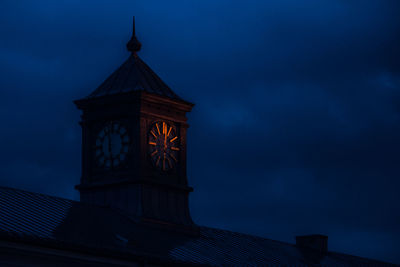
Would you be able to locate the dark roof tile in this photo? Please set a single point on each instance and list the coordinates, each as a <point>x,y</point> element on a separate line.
<point>26,216</point>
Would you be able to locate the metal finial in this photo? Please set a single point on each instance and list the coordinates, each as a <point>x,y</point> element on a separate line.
<point>133,45</point>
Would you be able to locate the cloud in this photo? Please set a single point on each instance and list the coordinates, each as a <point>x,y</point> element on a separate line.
<point>295,128</point>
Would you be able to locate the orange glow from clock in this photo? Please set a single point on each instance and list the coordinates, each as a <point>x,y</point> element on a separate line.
<point>163,146</point>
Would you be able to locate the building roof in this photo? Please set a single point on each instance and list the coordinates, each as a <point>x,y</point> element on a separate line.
<point>56,222</point>
<point>133,75</point>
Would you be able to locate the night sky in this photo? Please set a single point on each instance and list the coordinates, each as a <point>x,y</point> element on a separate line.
<point>297,120</point>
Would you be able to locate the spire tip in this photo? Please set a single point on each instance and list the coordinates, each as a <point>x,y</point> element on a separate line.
<point>133,45</point>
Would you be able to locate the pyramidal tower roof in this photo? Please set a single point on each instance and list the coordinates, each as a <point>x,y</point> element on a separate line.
<point>133,75</point>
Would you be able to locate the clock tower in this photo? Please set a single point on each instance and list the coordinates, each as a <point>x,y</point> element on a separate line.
<point>134,146</point>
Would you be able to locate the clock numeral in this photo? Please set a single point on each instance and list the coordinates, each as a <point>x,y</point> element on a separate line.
<point>175,148</point>
<point>108,163</point>
<point>112,145</point>
<point>158,129</point>
<point>169,163</point>
<point>173,157</point>
<point>164,162</point>
<point>173,139</point>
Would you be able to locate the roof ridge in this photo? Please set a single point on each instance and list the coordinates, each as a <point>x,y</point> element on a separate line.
<point>133,71</point>
<point>57,198</point>
<point>335,253</point>
<point>158,80</point>
<point>109,209</point>
<point>213,246</point>
<point>36,193</point>
<point>332,253</point>
<point>248,235</point>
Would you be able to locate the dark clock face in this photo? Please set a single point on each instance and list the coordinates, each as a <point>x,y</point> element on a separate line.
<point>112,145</point>
<point>163,146</point>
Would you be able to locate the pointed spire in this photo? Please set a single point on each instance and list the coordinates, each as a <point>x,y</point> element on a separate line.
<point>133,45</point>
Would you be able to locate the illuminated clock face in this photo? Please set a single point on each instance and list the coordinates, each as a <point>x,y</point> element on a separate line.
<point>163,146</point>
<point>112,145</point>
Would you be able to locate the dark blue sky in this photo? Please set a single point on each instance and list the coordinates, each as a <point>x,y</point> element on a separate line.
<point>297,119</point>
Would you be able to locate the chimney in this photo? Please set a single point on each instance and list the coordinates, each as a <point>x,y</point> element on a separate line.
<point>315,242</point>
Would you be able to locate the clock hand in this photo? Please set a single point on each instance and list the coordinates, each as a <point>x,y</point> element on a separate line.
<point>165,139</point>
